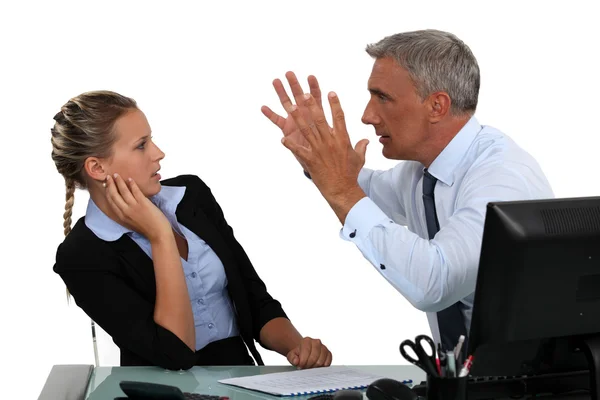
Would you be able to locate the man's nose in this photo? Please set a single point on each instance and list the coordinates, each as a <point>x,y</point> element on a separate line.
<point>368,117</point>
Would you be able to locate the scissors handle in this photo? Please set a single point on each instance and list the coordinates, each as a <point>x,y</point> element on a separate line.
<point>424,361</point>
<point>407,356</point>
<point>430,344</point>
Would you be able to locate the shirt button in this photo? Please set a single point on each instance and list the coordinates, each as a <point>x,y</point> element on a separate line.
<point>193,274</point>
<point>200,301</point>
<point>353,234</point>
<point>210,326</point>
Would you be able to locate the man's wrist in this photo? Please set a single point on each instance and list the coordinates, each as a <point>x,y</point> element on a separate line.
<point>343,202</point>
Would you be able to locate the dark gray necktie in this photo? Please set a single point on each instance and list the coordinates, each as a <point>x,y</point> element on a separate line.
<point>450,320</point>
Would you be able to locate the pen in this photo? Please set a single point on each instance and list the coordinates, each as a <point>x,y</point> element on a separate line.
<point>443,363</point>
<point>458,347</point>
<point>467,367</point>
<point>451,365</point>
<point>439,367</point>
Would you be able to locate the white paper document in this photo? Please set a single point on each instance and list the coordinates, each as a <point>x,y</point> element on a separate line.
<point>306,381</point>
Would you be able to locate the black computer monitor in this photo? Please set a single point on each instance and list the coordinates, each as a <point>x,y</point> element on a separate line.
<point>537,299</point>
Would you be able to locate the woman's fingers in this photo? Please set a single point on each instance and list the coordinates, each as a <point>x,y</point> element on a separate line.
<point>115,201</point>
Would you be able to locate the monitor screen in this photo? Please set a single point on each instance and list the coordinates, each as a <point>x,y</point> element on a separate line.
<point>538,287</point>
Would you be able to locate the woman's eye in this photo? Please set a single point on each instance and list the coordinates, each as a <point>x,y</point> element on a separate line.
<point>141,146</point>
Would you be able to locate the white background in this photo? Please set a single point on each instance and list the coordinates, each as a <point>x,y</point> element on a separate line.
<point>201,71</point>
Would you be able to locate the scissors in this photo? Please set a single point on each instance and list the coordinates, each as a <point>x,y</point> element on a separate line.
<point>424,360</point>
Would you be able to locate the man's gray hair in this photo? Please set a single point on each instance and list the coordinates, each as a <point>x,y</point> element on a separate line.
<point>436,61</point>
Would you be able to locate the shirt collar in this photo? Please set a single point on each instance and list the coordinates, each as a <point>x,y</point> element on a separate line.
<point>106,229</point>
<point>444,166</point>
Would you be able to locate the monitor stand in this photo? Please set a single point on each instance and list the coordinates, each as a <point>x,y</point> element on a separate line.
<point>591,349</point>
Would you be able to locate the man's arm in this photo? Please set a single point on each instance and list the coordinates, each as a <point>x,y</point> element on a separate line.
<point>378,185</point>
<point>433,274</point>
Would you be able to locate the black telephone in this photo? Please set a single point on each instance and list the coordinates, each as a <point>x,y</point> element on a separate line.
<point>155,391</point>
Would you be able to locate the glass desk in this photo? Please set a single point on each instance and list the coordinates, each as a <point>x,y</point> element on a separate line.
<point>104,381</point>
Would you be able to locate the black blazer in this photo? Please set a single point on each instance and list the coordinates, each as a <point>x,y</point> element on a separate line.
<point>113,282</point>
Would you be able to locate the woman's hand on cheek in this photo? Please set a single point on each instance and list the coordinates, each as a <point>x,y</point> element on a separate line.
<point>134,210</point>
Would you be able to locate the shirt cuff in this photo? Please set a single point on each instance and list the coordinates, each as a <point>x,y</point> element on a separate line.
<point>361,218</point>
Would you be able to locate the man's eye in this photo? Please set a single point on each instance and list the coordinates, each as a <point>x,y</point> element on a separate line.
<point>141,146</point>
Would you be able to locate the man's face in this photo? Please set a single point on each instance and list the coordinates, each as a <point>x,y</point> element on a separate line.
<point>395,110</point>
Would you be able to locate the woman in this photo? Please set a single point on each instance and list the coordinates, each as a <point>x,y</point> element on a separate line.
<point>154,262</point>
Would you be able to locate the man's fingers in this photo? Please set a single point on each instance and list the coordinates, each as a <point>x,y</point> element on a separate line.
<point>318,117</point>
<point>339,121</point>
<point>361,148</point>
<point>295,86</point>
<point>315,90</point>
<point>124,190</point>
<point>273,117</point>
<point>282,94</point>
<point>311,135</point>
<point>303,154</point>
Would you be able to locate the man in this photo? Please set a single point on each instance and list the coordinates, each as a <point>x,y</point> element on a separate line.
<point>424,88</point>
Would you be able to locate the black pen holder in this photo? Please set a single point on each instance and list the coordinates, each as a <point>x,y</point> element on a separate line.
<point>445,388</point>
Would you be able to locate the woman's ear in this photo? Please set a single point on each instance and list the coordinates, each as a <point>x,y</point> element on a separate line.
<point>95,169</point>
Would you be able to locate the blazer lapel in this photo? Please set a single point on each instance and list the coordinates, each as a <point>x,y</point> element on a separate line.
<point>141,268</point>
<point>197,221</point>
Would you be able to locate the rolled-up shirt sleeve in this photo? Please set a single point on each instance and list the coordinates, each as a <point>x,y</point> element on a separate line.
<point>432,274</point>
<point>387,246</point>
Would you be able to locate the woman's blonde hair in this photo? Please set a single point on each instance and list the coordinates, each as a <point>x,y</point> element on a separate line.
<point>84,128</point>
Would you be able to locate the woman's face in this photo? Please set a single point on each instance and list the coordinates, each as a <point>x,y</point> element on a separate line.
<point>135,155</point>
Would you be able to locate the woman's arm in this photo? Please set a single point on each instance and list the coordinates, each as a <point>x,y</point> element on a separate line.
<point>94,279</point>
<point>280,335</point>
<point>173,309</point>
<point>304,352</point>
<point>270,325</point>
<point>160,330</point>
<point>131,208</point>
<point>263,307</point>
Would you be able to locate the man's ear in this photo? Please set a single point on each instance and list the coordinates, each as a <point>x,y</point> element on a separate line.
<point>95,169</point>
<point>438,106</point>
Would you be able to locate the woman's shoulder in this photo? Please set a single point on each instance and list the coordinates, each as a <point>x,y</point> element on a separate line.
<point>195,188</point>
<point>190,181</point>
<point>197,193</point>
<point>78,247</point>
